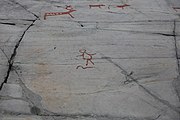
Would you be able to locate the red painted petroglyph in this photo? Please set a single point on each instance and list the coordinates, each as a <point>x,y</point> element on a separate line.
<point>176,8</point>
<point>119,6</point>
<point>87,57</point>
<point>122,6</point>
<point>69,8</point>
<point>99,6</point>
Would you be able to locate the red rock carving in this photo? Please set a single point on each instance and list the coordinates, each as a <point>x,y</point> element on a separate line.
<point>122,6</point>
<point>69,8</point>
<point>176,8</point>
<point>87,57</point>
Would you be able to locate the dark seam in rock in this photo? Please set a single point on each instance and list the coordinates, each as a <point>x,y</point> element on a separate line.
<point>11,60</point>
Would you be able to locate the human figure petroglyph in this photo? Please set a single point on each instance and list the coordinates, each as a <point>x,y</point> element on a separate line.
<point>87,57</point>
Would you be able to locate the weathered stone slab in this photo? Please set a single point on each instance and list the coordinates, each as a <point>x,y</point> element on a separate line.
<point>3,72</point>
<point>11,10</point>
<point>11,90</point>
<point>109,62</point>
<point>28,117</point>
<point>100,85</point>
<point>10,33</point>
<point>115,44</point>
<point>14,106</point>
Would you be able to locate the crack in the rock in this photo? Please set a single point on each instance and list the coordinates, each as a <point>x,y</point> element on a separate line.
<point>10,98</point>
<point>123,71</point>
<point>31,20</point>
<point>148,32</point>
<point>84,116</point>
<point>62,116</point>
<point>164,34</point>
<point>7,23</point>
<point>24,8</point>
<point>101,117</point>
<point>4,53</point>
<point>12,113</point>
<point>157,117</point>
<point>39,111</point>
<point>33,99</point>
<point>176,47</point>
<point>11,60</point>
<point>128,21</point>
<point>176,81</point>
<point>28,95</point>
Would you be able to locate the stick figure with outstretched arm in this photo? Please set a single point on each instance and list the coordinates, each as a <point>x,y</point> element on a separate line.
<point>86,56</point>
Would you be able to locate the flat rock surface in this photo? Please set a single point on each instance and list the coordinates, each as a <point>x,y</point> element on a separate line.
<point>89,60</point>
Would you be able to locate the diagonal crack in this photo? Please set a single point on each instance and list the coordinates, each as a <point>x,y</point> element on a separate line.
<point>11,60</point>
<point>123,71</point>
<point>24,8</point>
<point>4,53</point>
<point>176,47</point>
<point>177,81</point>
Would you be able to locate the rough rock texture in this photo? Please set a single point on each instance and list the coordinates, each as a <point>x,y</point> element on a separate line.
<point>106,60</point>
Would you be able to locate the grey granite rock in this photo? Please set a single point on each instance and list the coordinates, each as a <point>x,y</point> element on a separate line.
<point>107,60</point>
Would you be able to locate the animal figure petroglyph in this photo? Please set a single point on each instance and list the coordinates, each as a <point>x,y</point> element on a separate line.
<point>68,7</point>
